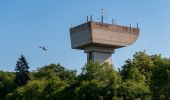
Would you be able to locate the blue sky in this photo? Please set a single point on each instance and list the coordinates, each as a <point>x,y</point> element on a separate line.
<point>27,24</point>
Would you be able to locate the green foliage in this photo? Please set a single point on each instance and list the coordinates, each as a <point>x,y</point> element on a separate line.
<point>135,87</point>
<point>144,63</point>
<point>22,65</point>
<point>136,75</point>
<point>160,86</point>
<point>33,90</point>
<point>89,90</point>
<point>21,71</point>
<point>98,81</point>
<point>53,88</point>
<point>145,77</point>
<point>53,70</point>
<point>103,73</point>
<point>39,90</point>
<point>6,83</point>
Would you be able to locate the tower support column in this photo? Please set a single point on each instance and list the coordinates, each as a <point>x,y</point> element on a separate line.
<point>99,53</point>
<point>100,57</point>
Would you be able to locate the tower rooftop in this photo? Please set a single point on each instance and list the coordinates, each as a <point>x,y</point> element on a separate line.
<point>102,35</point>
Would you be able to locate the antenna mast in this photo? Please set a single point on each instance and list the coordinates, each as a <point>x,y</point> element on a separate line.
<point>102,18</point>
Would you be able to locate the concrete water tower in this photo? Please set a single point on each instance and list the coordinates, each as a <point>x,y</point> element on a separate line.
<point>99,39</point>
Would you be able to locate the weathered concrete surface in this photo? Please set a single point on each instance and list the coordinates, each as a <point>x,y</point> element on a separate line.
<point>102,34</point>
<point>101,39</point>
<point>100,57</point>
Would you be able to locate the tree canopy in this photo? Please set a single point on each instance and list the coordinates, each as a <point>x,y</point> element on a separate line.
<point>144,77</point>
<point>22,72</point>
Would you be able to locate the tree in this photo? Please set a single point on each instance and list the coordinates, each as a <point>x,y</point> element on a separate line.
<point>40,89</point>
<point>22,72</point>
<point>33,90</point>
<point>104,73</point>
<point>104,79</point>
<point>54,70</point>
<point>160,82</point>
<point>137,72</point>
<point>53,88</point>
<point>89,90</point>
<point>142,62</point>
<point>145,77</point>
<point>134,87</point>
<point>6,83</point>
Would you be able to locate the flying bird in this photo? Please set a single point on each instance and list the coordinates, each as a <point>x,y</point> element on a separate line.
<point>43,48</point>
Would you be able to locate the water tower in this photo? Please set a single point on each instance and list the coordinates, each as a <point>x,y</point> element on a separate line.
<point>99,39</point>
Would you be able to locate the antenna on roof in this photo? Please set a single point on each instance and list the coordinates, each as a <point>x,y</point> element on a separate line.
<point>102,15</point>
<point>130,27</point>
<point>91,18</point>
<point>113,22</point>
<point>87,18</point>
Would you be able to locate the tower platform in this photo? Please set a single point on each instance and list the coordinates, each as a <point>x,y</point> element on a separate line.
<point>99,40</point>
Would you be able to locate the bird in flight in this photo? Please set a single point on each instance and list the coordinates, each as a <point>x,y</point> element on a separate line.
<point>43,48</point>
